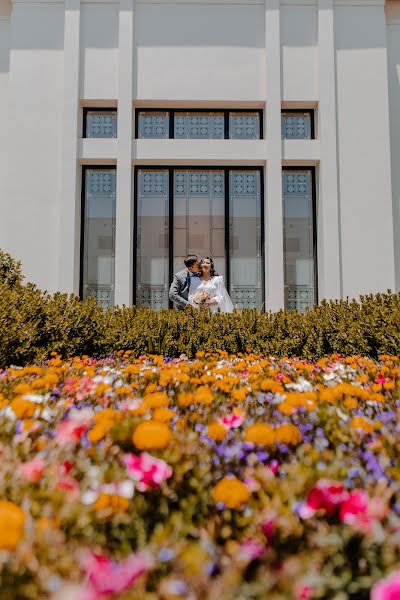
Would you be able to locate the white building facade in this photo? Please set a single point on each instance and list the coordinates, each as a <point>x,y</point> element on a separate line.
<point>263,133</point>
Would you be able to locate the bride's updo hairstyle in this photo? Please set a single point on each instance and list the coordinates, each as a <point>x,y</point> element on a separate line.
<point>213,272</point>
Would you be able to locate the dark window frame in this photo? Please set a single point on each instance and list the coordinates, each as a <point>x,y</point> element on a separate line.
<point>312,170</point>
<point>226,112</point>
<point>87,109</point>
<point>171,169</point>
<point>310,111</point>
<point>83,210</point>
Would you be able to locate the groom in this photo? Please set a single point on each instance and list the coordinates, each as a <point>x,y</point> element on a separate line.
<point>179,290</point>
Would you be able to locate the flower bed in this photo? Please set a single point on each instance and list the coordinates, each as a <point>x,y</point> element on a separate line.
<point>220,477</point>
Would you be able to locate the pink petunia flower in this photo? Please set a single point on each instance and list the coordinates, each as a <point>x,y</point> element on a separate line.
<point>233,420</point>
<point>32,470</point>
<point>251,549</point>
<point>147,471</point>
<point>107,577</point>
<point>388,588</point>
<point>327,495</point>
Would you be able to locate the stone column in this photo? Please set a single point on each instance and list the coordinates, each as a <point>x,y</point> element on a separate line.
<point>124,204</point>
<point>274,292</point>
<point>69,232</point>
<point>329,250</point>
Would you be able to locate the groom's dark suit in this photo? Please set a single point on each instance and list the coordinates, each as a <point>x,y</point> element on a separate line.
<point>179,290</point>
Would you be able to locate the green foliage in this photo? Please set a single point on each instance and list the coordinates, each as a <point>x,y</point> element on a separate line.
<point>10,270</point>
<point>33,324</point>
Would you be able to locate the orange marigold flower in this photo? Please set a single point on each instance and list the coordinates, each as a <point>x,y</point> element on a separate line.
<point>12,523</point>
<point>185,398</point>
<point>363,424</point>
<point>232,492</point>
<point>97,433</point>
<point>260,433</point>
<point>216,431</point>
<point>203,395</point>
<point>151,435</point>
<point>23,408</point>
<point>156,400</point>
<point>288,434</point>
<point>163,415</point>
<point>114,502</point>
<point>239,395</point>
<point>22,388</point>
<point>350,403</point>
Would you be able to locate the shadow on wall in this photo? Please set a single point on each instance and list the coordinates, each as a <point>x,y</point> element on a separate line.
<point>209,25</point>
<point>37,26</point>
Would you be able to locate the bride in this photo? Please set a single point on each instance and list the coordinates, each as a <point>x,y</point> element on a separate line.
<point>208,290</point>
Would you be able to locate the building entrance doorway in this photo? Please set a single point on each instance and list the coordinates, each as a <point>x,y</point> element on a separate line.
<point>208,212</point>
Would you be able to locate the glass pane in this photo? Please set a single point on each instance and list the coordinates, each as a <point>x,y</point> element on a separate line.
<point>201,125</point>
<point>244,125</point>
<point>298,236</point>
<point>245,239</point>
<point>296,126</point>
<point>101,124</point>
<point>152,238</point>
<point>198,205</point>
<point>99,235</point>
<point>153,124</point>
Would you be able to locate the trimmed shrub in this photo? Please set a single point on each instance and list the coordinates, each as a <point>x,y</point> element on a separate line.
<point>33,324</point>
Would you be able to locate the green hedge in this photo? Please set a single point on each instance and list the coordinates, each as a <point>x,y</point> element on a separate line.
<point>34,323</point>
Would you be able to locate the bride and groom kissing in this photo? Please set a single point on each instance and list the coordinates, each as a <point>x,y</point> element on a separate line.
<point>198,285</point>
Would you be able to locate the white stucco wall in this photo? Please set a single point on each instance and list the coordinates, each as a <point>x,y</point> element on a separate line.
<point>299,40</point>
<point>5,9</point>
<point>393,45</point>
<point>191,51</point>
<point>340,57</point>
<point>99,51</point>
<point>364,149</point>
<point>32,199</point>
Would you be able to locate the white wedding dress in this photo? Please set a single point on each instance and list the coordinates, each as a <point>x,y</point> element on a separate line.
<point>216,289</point>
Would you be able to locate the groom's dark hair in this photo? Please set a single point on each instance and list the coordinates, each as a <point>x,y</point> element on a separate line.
<point>190,260</point>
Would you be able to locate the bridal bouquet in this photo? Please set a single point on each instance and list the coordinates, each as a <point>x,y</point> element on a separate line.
<point>200,299</point>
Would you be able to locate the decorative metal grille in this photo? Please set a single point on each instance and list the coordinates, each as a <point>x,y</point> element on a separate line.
<point>244,183</point>
<point>298,297</point>
<point>246,297</point>
<point>198,182</point>
<point>192,125</point>
<point>244,126</point>
<point>296,126</point>
<point>153,182</point>
<point>101,124</point>
<point>104,296</point>
<point>153,124</point>
<point>153,297</point>
<point>100,183</point>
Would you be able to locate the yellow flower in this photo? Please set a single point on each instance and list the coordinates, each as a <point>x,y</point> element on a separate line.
<point>288,434</point>
<point>216,431</point>
<point>239,395</point>
<point>151,435</point>
<point>114,502</point>
<point>22,388</point>
<point>23,408</point>
<point>260,433</point>
<point>12,523</point>
<point>156,400</point>
<point>363,424</point>
<point>232,492</point>
<point>185,398</point>
<point>163,415</point>
<point>203,395</point>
